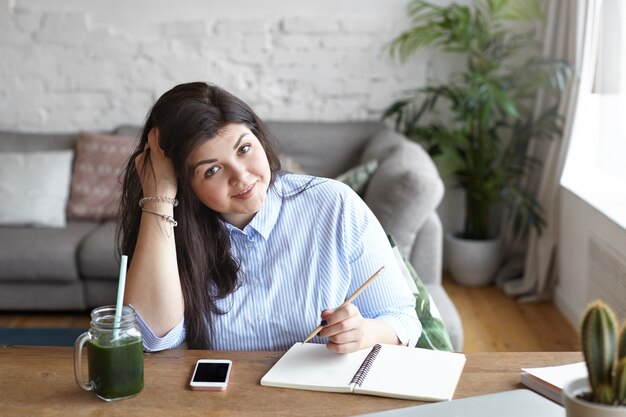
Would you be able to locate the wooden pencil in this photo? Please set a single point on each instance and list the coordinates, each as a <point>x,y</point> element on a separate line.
<point>348,301</point>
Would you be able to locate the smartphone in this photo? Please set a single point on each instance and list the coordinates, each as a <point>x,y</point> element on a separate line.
<point>211,374</point>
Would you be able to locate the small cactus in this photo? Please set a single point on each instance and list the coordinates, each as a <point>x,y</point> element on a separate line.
<point>605,354</point>
<point>620,372</point>
<point>620,382</point>
<point>621,343</point>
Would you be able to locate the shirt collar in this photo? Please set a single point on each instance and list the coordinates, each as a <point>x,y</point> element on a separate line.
<point>265,220</point>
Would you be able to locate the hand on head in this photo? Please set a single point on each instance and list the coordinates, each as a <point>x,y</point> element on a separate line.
<point>156,171</point>
<point>345,328</point>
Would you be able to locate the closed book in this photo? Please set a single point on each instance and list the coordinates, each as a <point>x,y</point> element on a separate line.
<point>550,380</point>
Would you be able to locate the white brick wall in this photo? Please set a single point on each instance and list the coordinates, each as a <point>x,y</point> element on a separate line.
<point>92,64</point>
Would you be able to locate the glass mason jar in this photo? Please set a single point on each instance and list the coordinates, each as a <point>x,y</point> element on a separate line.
<point>114,353</point>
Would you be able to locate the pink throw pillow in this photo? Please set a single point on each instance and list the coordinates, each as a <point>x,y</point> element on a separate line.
<point>96,179</point>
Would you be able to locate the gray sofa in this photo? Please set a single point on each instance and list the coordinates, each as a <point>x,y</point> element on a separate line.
<point>75,268</point>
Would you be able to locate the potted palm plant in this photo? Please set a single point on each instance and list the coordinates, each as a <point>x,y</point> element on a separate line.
<point>603,392</point>
<point>479,123</point>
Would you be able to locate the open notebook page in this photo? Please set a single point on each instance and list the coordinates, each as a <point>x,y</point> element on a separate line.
<point>413,373</point>
<point>312,366</point>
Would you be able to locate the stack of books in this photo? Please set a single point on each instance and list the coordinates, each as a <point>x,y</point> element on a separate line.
<point>550,380</point>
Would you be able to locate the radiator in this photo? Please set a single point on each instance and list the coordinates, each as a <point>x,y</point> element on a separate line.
<point>607,275</point>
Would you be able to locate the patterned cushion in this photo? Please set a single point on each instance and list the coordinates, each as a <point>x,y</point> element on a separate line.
<point>96,184</point>
<point>358,177</point>
<point>434,333</point>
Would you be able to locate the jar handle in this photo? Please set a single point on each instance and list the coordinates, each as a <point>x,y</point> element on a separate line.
<point>78,349</point>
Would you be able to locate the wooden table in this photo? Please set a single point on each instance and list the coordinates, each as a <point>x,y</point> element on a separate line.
<point>39,381</point>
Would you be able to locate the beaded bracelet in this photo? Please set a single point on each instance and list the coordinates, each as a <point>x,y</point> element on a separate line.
<point>165,217</point>
<point>159,199</point>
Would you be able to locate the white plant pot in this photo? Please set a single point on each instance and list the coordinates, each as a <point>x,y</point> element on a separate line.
<point>576,407</point>
<point>473,262</point>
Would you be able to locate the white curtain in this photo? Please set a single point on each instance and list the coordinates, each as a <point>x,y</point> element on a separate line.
<point>570,33</point>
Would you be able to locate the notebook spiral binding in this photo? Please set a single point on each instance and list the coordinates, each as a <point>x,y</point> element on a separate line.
<point>360,375</point>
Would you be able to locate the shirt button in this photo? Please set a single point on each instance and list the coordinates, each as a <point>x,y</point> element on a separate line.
<point>249,244</point>
<point>260,317</point>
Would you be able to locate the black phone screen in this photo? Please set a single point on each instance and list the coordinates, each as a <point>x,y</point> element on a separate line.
<point>211,372</point>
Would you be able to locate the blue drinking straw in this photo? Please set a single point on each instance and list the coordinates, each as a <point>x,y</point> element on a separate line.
<point>120,297</point>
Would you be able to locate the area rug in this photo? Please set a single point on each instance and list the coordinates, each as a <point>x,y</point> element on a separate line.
<point>39,336</point>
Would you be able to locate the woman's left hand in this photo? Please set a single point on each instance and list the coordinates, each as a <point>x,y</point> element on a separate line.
<point>345,328</point>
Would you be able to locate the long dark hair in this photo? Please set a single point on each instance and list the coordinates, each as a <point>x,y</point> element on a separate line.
<point>187,116</point>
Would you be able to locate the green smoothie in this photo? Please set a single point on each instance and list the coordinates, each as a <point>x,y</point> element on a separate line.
<point>116,371</point>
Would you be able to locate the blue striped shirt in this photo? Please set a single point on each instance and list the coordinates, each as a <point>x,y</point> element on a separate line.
<point>303,253</point>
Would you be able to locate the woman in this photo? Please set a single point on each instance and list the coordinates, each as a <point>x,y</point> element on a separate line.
<point>227,252</point>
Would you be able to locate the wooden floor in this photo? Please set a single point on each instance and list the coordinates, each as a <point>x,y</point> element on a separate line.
<point>492,322</point>
<point>58,320</point>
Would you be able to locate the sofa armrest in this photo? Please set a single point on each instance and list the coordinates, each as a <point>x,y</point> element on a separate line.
<point>427,253</point>
<point>405,189</point>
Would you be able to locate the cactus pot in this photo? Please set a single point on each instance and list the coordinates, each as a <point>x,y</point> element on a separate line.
<point>472,262</point>
<point>577,407</point>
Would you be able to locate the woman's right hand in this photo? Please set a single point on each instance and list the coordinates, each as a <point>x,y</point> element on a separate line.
<point>156,171</point>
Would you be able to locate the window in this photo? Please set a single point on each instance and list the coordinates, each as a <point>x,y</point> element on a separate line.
<point>610,88</point>
<point>596,162</point>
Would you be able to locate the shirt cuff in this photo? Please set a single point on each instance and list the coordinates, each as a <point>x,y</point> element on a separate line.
<point>407,330</point>
<point>152,343</point>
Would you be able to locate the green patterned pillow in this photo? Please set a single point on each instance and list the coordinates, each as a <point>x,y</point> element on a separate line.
<point>358,177</point>
<point>434,333</point>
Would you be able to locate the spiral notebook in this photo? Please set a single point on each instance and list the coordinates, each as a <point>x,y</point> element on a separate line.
<point>384,370</point>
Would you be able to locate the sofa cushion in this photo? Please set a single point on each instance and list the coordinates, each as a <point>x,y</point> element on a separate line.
<point>382,144</point>
<point>97,255</point>
<point>405,172</point>
<point>42,255</point>
<point>96,183</point>
<point>289,164</point>
<point>100,292</point>
<point>34,187</point>
<point>133,131</point>
<point>37,295</point>
<point>324,149</point>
